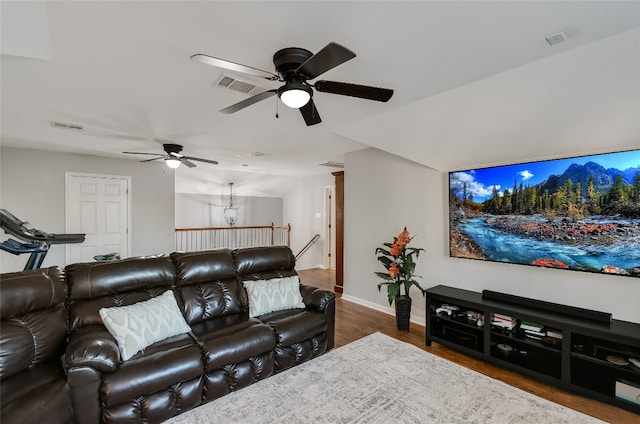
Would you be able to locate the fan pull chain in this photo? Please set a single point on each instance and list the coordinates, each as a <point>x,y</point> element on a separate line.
<point>277,104</point>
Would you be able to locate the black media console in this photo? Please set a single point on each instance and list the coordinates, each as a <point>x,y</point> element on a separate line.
<point>576,349</point>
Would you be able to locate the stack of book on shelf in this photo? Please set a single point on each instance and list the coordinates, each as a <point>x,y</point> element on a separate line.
<point>503,321</point>
<point>533,330</point>
<point>554,337</point>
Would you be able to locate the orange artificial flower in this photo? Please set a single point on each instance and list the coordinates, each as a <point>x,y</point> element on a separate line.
<point>403,237</point>
<point>395,249</point>
<point>394,271</point>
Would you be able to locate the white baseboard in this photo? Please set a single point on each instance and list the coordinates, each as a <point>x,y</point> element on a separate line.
<point>387,310</point>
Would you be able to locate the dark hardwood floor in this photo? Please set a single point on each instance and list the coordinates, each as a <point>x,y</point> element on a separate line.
<point>354,321</point>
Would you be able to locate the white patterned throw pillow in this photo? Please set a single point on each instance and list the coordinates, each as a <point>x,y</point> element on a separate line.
<point>273,295</point>
<point>144,323</point>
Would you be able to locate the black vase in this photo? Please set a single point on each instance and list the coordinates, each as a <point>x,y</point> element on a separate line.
<point>403,312</point>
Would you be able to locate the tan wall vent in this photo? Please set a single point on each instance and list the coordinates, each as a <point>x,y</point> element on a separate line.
<point>237,84</point>
<point>332,164</point>
<point>65,126</point>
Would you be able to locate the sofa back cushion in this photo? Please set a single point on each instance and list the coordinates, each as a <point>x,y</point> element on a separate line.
<point>96,285</point>
<point>207,284</point>
<point>33,328</point>
<point>265,262</point>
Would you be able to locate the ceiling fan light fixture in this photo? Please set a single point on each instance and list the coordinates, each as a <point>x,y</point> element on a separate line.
<point>294,94</point>
<point>172,163</point>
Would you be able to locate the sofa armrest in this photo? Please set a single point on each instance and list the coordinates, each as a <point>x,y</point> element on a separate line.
<point>94,347</point>
<point>324,301</point>
<point>316,298</point>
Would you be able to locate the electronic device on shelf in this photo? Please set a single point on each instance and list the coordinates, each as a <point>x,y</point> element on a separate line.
<point>447,309</point>
<point>616,360</point>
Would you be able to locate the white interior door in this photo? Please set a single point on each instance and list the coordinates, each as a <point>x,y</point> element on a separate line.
<point>98,206</point>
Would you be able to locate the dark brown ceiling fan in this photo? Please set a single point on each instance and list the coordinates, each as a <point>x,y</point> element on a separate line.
<point>295,66</point>
<point>173,158</point>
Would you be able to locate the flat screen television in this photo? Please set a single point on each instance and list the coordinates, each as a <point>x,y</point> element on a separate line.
<point>579,213</point>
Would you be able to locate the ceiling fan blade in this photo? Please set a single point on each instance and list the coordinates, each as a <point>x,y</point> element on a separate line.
<point>149,160</point>
<point>232,66</point>
<point>213,162</point>
<point>248,102</point>
<point>310,113</point>
<point>354,90</point>
<point>141,153</point>
<point>187,162</point>
<point>332,55</point>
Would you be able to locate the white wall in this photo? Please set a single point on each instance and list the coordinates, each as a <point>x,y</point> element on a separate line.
<point>304,209</point>
<point>383,193</point>
<point>207,210</point>
<point>580,101</point>
<point>32,187</point>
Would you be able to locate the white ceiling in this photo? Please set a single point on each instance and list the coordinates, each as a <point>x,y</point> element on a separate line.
<point>122,70</point>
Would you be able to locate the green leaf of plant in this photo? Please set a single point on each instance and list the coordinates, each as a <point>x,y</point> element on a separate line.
<point>393,290</point>
<point>383,251</point>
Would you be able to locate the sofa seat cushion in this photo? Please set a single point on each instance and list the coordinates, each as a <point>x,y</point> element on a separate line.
<point>161,365</point>
<point>295,326</point>
<point>233,339</point>
<point>37,395</point>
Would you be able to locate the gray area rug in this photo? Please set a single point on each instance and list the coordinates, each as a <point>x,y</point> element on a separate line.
<point>378,379</point>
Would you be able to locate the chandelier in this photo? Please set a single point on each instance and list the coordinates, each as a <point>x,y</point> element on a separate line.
<point>231,213</point>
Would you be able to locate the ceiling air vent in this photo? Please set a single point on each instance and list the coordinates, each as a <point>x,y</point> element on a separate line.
<point>253,154</point>
<point>65,126</point>
<point>332,164</point>
<point>556,38</point>
<point>237,84</point>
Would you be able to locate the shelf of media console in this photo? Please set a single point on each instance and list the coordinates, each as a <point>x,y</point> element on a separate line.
<point>628,369</point>
<point>516,337</point>
<point>463,322</point>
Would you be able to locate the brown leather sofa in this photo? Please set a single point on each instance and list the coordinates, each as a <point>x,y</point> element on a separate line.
<point>33,333</point>
<point>226,349</point>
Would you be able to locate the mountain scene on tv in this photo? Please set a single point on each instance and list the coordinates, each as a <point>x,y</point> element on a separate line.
<point>578,213</point>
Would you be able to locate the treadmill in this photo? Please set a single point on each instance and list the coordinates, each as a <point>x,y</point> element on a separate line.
<point>33,241</point>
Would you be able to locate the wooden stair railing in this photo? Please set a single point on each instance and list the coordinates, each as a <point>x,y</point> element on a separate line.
<point>308,245</point>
